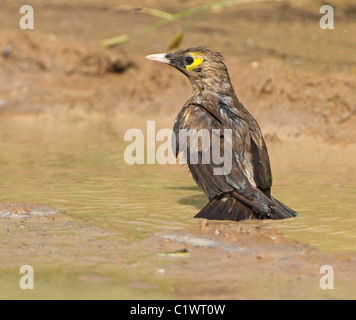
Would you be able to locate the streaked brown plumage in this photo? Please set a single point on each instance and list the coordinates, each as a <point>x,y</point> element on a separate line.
<point>244,192</point>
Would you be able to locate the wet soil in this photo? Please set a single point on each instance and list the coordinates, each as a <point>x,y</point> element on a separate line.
<point>218,260</point>
<point>297,80</point>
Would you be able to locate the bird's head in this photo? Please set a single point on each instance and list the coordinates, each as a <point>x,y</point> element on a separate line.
<point>205,68</point>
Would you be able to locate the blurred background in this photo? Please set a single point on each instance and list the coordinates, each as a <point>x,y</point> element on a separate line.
<point>281,62</point>
<point>72,86</point>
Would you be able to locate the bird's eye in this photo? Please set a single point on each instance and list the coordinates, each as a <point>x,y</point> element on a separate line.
<point>189,60</point>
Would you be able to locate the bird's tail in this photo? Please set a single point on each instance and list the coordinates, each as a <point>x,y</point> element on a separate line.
<point>229,208</point>
<point>281,211</point>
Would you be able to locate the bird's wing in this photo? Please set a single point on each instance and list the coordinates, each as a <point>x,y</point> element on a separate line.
<point>251,141</point>
<point>262,168</point>
<point>240,176</point>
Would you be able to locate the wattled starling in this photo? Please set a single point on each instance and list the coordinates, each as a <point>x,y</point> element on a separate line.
<point>243,191</point>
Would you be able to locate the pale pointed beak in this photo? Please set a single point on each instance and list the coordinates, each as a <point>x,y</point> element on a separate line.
<point>160,57</point>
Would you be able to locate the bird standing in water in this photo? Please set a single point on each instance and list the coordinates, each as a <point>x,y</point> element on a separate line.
<point>244,192</point>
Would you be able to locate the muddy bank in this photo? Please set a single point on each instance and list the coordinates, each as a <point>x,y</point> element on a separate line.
<point>62,71</point>
<point>69,80</point>
<point>25,210</point>
<point>258,263</point>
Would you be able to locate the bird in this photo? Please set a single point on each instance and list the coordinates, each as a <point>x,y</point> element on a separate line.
<point>244,191</point>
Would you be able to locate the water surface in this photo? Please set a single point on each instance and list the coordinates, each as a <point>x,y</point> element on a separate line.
<point>79,168</point>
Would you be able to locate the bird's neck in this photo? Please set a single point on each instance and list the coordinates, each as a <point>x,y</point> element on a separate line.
<point>212,90</point>
<point>221,85</point>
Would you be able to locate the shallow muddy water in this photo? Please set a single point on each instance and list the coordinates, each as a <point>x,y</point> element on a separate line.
<point>78,168</point>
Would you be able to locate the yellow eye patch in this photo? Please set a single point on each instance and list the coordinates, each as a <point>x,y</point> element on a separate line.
<point>197,61</point>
